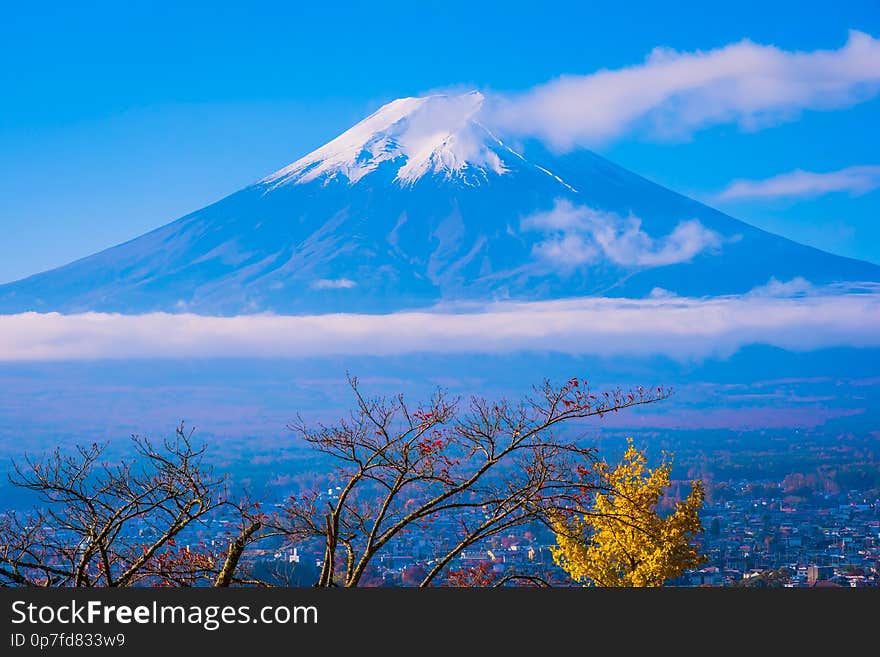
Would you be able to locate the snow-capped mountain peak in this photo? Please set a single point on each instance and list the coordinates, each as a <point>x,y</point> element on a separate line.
<point>437,134</point>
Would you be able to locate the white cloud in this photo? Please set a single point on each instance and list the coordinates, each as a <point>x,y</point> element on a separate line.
<point>798,183</point>
<point>630,245</point>
<point>577,234</point>
<point>682,328</point>
<point>564,216</point>
<point>797,286</point>
<point>673,94</point>
<point>567,250</point>
<point>334,284</point>
<point>661,293</point>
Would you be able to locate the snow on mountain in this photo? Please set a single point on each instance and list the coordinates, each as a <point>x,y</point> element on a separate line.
<point>431,135</point>
<point>420,204</point>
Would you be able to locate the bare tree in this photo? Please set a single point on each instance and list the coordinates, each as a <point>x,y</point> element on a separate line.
<point>477,468</point>
<point>454,473</point>
<point>118,525</point>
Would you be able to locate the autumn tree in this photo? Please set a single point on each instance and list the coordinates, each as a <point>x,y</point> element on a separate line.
<point>622,539</point>
<point>475,468</point>
<point>117,525</point>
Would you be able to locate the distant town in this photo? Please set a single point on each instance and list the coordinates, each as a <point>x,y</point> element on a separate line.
<point>811,519</point>
<point>755,538</point>
<point>758,538</point>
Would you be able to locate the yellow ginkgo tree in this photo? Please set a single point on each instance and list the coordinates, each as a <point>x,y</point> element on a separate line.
<point>622,539</point>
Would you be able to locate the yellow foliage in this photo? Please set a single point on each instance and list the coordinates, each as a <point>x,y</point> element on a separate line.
<point>623,540</point>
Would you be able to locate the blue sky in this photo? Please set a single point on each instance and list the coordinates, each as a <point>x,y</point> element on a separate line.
<point>119,117</point>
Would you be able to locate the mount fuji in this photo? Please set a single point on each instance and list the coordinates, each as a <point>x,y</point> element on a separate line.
<point>421,204</point>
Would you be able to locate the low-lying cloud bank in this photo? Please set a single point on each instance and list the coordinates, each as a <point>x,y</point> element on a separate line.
<point>681,328</point>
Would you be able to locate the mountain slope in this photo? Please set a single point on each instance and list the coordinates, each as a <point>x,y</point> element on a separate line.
<point>421,203</point>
